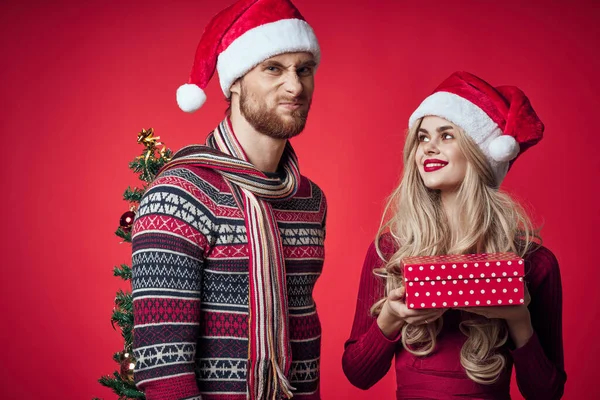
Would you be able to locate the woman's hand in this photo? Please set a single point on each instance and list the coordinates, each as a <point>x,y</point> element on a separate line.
<point>394,314</point>
<point>517,318</point>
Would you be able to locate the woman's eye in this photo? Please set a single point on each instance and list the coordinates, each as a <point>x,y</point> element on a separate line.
<point>423,138</point>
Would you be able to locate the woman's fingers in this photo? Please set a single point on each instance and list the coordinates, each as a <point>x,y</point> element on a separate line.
<point>396,294</point>
<point>397,306</point>
<point>419,317</point>
<point>426,312</point>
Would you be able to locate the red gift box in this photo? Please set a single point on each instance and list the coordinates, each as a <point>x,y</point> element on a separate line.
<point>469,280</point>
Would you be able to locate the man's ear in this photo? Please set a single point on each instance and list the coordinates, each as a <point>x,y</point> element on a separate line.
<point>235,87</point>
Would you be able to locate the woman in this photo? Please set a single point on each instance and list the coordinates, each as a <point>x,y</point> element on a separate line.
<point>461,142</point>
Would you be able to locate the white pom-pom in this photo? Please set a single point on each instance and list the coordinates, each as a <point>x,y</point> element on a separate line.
<point>190,97</point>
<point>503,148</point>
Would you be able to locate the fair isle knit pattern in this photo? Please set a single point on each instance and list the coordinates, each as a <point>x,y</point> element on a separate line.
<point>191,287</point>
<point>269,345</point>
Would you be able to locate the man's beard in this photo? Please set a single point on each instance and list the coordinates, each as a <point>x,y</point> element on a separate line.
<point>268,122</point>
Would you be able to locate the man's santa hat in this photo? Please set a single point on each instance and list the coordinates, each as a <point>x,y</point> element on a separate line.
<point>500,120</point>
<point>241,37</point>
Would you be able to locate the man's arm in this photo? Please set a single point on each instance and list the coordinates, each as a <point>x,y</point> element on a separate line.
<point>168,243</point>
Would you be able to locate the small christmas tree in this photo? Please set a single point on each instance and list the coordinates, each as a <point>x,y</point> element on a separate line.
<point>147,166</point>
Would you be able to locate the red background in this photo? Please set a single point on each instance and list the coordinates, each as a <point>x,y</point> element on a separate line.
<point>80,79</point>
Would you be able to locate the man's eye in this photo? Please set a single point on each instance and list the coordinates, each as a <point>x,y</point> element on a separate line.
<point>306,71</point>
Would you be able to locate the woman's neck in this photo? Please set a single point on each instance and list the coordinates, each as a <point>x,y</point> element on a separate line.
<point>451,208</point>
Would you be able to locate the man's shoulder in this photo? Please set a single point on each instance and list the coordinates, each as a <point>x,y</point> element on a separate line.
<point>308,187</point>
<point>186,175</point>
<point>188,185</point>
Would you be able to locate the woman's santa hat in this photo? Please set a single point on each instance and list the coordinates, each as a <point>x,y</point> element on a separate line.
<point>500,120</point>
<point>241,37</point>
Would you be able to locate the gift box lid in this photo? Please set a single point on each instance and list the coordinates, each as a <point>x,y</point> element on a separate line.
<point>462,266</point>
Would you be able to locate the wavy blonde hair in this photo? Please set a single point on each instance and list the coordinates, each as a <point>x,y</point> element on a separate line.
<point>490,221</point>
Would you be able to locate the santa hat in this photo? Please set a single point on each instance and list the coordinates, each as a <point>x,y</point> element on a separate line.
<point>500,120</point>
<point>241,37</point>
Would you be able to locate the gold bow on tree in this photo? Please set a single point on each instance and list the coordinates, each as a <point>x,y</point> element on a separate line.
<point>146,137</point>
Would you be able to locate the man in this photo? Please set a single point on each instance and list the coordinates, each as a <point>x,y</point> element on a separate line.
<point>228,241</point>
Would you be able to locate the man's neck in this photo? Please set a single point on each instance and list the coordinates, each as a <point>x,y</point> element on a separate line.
<point>264,152</point>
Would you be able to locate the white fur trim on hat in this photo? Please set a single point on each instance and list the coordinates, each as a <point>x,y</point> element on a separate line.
<point>190,97</point>
<point>472,119</point>
<point>264,42</point>
<point>475,122</point>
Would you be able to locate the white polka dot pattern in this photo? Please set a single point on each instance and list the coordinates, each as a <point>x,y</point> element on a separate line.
<point>499,283</point>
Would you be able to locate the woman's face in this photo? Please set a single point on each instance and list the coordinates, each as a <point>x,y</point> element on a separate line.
<point>440,161</point>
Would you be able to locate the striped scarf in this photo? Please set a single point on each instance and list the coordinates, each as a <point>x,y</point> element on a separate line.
<point>268,340</point>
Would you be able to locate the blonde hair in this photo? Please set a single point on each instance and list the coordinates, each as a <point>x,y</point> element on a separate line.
<point>490,221</point>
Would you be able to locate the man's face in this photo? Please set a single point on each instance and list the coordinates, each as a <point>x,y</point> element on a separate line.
<point>275,96</point>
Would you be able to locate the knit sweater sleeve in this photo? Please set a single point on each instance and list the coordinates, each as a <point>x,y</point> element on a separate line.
<point>539,364</point>
<point>368,353</point>
<point>169,238</point>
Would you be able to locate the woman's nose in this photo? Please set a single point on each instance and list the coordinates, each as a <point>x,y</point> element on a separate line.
<point>431,147</point>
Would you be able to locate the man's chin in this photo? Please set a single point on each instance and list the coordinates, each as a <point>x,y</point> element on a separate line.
<point>290,128</point>
<point>278,122</point>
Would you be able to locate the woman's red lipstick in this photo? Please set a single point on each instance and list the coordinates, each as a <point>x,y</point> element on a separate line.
<point>433,164</point>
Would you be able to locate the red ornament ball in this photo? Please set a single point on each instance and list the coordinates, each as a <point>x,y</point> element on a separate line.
<point>127,221</point>
<point>127,367</point>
